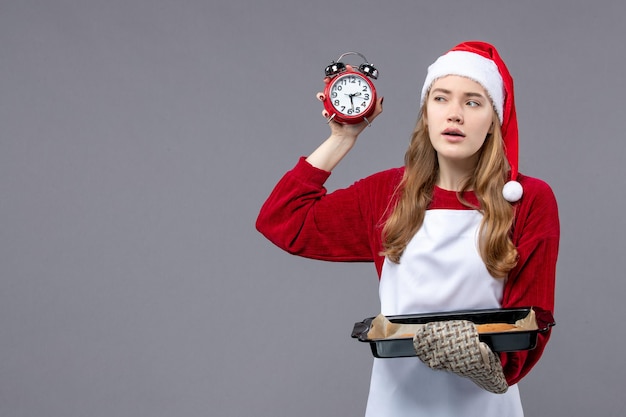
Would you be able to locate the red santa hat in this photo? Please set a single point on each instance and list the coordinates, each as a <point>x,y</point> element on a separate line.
<point>481,62</point>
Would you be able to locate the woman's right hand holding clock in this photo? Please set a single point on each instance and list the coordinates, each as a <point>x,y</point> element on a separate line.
<point>342,137</point>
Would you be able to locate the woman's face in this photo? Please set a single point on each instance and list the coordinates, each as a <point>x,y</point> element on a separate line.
<point>459,116</point>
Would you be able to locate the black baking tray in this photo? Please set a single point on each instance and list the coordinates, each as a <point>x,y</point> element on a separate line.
<point>498,342</point>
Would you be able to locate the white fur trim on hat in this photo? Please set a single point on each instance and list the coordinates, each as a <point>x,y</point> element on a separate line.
<point>467,64</point>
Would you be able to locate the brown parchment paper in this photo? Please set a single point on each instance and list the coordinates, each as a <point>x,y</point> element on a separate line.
<point>382,328</point>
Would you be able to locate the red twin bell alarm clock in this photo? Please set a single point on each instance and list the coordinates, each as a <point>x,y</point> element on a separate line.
<point>350,96</point>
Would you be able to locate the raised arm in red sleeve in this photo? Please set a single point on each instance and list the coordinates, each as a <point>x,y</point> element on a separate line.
<point>303,219</point>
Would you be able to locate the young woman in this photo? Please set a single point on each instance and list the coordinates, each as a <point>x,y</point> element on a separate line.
<point>456,228</point>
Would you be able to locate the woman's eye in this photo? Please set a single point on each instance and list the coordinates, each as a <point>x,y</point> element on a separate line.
<point>473,103</point>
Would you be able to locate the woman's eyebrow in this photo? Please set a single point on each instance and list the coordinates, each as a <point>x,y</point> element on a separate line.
<point>467,94</point>
<point>441,90</point>
<point>471,94</point>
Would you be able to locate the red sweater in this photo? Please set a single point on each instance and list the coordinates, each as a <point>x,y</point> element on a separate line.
<point>302,218</point>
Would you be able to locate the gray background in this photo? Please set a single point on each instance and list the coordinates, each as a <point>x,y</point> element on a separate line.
<point>139,138</point>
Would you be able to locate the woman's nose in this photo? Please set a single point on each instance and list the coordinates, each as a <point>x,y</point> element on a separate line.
<point>455,114</point>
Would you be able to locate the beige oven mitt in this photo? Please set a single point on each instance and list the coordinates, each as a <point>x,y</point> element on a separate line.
<point>454,346</point>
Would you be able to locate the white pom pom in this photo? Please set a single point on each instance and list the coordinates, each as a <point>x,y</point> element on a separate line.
<point>512,191</point>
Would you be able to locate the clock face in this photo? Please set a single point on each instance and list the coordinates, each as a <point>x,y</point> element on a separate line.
<point>351,95</point>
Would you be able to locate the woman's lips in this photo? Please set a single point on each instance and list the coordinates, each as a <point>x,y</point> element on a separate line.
<point>452,134</point>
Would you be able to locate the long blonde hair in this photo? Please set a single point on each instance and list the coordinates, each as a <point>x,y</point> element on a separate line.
<point>415,191</point>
